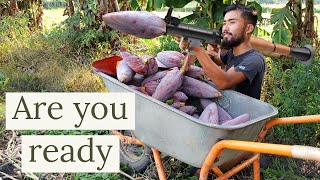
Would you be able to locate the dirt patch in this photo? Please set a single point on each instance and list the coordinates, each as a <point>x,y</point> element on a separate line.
<point>10,153</point>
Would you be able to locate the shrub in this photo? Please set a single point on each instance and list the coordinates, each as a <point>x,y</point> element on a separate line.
<point>295,90</point>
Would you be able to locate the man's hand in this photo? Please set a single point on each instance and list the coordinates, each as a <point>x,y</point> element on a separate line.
<point>213,51</point>
<point>183,45</point>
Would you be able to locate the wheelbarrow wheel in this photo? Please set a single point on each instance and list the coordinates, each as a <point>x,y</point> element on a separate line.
<point>136,157</point>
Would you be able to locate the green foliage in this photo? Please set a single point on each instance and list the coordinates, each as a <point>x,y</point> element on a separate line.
<point>154,4</point>
<point>197,20</point>
<point>12,28</point>
<point>162,43</point>
<point>2,115</point>
<point>260,32</point>
<point>284,22</point>
<point>82,27</point>
<point>3,82</point>
<point>295,92</point>
<point>157,4</point>
<point>282,168</point>
<point>97,176</point>
<point>135,5</point>
<point>177,3</point>
<point>60,132</point>
<point>52,4</point>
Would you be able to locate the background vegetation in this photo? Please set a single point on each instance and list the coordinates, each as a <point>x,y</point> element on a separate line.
<point>57,58</point>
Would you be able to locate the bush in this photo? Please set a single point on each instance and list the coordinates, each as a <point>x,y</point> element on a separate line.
<point>295,90</point>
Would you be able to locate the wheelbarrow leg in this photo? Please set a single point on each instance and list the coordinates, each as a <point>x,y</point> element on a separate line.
<point>217,171</point>
<point>256,168</point>
<point>295,151</point>
<point>255,159</point>
<point>159,166</point>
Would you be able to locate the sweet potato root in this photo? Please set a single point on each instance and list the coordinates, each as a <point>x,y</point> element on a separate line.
<point>168,85</point>
<point>238,120</point>
<point>210,114</point>
<point>141,24</point>
<point>171,59</point>
<point>196,88</point>
<point>124,72</point>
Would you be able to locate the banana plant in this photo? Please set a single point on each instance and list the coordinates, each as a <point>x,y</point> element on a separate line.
<point>284,22</point>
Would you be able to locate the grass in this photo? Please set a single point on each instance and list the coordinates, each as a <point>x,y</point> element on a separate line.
<point>2,111</point>
<point>53,17</point>
<point>2,118</point>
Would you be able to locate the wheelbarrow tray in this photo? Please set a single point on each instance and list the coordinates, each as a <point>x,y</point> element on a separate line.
<point>184,137</point>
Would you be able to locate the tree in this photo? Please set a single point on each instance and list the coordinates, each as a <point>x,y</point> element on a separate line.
<point>32,8</point>
<point>13,7</point>
<point>296,7</point>
<point>309,29</point>
<point>291,21</point>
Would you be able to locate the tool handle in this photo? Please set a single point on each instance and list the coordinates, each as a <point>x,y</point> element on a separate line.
<point>304,54</point>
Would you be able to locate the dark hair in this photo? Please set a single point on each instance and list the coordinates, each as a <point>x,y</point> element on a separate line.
<point>250,14</point>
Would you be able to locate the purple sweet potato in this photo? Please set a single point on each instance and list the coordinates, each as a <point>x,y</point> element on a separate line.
<point>151,86</point>
<point>155,77</point>
<point>180,96</point>
<point>196,88</point>
<point>210,114</point>
<point>134,62</point>
<point>171,58</point>
<point>160,65</point>
<point>168,85</point>
<point>124,72</point>
<point>195,71</point>
<point>136,80</point>
<point>141,24</point>
<point>238,120</point>
<point>195,116</point>
<point>205,102</point>
<point>188,109</point>
<point>151,63</point>
<point>223,115</point>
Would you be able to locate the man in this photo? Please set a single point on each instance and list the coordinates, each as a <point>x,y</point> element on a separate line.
<point>245,66</point>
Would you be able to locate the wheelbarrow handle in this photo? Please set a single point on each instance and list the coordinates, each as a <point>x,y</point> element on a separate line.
<point>288,120</point>
<point>305,152</point>
<point>295,151</point>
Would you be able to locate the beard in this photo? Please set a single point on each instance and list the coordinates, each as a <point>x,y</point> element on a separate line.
<point>233,42</point>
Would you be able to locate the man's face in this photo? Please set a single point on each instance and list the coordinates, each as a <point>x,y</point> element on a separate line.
<point>233,29</point>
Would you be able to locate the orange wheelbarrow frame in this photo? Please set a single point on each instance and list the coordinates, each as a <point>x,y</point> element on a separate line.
<point>295,151</point>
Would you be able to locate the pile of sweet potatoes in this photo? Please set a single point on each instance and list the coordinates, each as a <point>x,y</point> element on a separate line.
<point>169,78</point>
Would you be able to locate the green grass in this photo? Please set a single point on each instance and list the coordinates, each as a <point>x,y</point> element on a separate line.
<point>2,111</point>
<point>318,24</point>
<point>53,17</point>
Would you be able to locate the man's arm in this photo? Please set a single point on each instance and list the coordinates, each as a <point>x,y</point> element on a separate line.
<point>222,79</point>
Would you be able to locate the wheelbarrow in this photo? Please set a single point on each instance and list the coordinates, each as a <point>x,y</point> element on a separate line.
<point>206,146</point>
